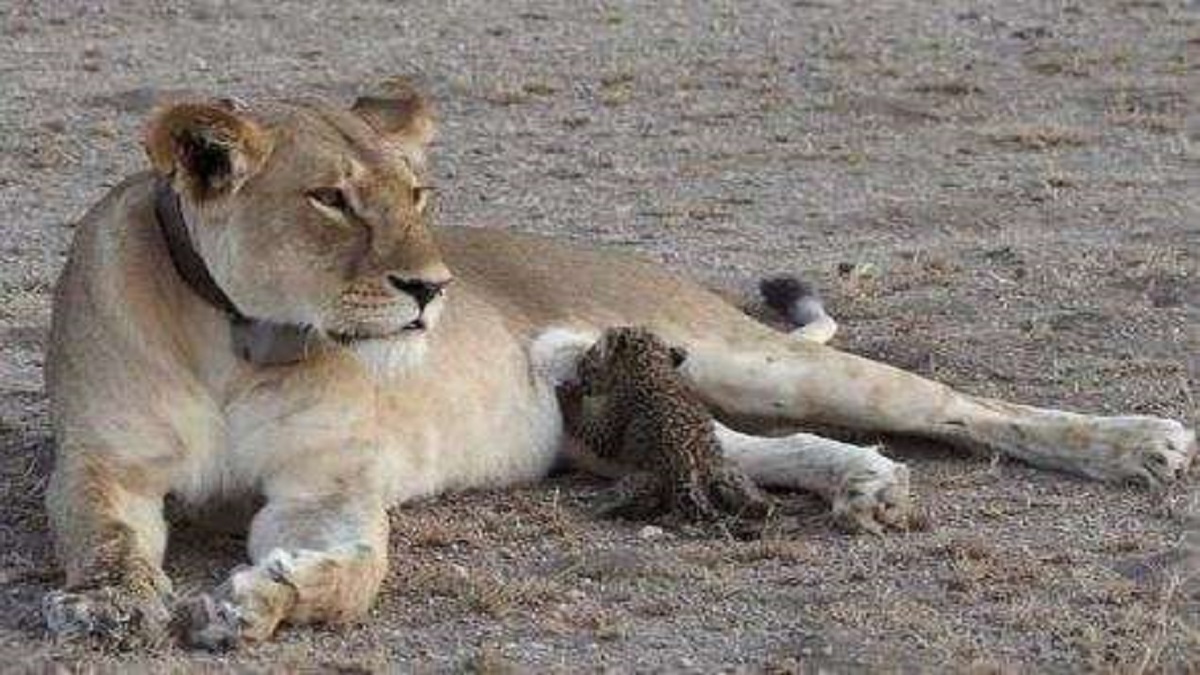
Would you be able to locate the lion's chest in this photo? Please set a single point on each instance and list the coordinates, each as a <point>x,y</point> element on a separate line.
<point>495,433</point>
<point>415,436</point>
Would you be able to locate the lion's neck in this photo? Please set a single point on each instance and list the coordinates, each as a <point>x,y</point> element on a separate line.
<point>391,359</point>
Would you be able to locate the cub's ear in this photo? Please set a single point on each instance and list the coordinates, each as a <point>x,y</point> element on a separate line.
<point>678,356</point>
<point>207,149</point>
<point>401,115</point>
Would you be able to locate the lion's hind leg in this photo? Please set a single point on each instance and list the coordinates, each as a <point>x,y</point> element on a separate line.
<point>867,491</point>
<point>1150,451</point>
<point>768,376</point>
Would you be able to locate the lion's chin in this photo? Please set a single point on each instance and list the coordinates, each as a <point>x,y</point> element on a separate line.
<point>389,358</point>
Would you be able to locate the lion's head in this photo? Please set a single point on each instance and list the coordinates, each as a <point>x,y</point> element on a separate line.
<point>311,214</point>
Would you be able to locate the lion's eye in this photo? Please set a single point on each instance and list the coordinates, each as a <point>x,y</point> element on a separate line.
<point>331,197</point>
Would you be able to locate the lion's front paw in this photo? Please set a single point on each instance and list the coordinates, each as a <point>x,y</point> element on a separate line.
<point>109,614</point>
<point>1151,451</point>
<point>873,496</point>
<point>246,608</point>
<point>210,623</point>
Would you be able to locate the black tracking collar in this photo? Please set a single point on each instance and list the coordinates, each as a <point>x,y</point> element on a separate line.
<point>260,342</point>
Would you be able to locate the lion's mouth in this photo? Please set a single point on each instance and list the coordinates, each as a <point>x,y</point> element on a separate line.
<point>351,336</point>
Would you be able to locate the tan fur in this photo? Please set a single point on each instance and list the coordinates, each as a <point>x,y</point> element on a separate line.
<point>148,397</point>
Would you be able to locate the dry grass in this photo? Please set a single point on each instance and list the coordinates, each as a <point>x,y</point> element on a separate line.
<point>1166,124</point>
<point>539,88</point>
<point>976,566</point>
<point>425,530</point>
<point>616,88</point>
<point>1053,62</point>
<point>489,594</point>
<point>507,97</point>
<point>490,660</point>
<point>948,87</point>
<point>1037,137</point>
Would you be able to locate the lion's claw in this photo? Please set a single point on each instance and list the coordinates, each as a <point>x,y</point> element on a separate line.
<point>1147,450</point>
<point>873,497</point>
<point>1167,458</point>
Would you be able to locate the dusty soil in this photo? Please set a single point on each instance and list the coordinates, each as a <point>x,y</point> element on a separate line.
<point>1000,195</point>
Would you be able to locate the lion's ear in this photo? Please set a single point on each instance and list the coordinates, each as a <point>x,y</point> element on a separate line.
<point>400,114</point>
<point>207,149</point>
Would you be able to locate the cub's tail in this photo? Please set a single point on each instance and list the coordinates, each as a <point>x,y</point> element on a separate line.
<point>801,305</point>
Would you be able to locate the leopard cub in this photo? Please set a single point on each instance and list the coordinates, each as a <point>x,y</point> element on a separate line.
<point>630,406</point>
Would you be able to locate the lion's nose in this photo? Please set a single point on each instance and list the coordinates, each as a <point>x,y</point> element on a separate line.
<point>421,290</point>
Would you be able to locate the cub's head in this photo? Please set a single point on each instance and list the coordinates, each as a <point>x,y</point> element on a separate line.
<point>312,214</point>
<point>623,353</point>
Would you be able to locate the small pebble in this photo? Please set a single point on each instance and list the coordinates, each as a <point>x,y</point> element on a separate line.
<point>651,532</point>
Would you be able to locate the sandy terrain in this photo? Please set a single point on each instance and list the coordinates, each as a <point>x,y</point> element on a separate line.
<point>1000,195</point>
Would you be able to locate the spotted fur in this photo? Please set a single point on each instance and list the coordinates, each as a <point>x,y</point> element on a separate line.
<point>634,409</point>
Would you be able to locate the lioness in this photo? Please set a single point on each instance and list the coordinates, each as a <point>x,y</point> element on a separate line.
<point>267,311</point>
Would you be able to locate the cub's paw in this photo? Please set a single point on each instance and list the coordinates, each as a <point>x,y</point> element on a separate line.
<point>613,504</point>
<point>738,495</point>
<point>873,496</point>
<point>1147,450</point>
<point>107,614</point>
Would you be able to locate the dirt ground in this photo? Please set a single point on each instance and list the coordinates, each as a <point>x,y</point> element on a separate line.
<point>1001,195</point>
